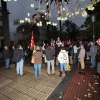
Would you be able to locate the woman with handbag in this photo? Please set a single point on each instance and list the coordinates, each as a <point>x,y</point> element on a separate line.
<point>37,63</point>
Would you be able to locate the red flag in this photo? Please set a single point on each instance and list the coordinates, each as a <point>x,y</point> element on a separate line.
<point>32,42</point>
<point>98,41</point>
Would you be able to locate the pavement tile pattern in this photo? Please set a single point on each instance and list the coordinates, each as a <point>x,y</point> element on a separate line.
<point>16,87</point>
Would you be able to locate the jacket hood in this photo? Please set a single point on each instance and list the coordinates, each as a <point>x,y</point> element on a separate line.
<point>64,51</point>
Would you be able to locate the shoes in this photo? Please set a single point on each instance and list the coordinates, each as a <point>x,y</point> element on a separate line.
<point>82,68</point>
<point>39,78</point>
<point>23,74</point>
<point>9,68</point>
<point>35,79</point>
<point>87,58</point>
<point>48,74</point>
<point>60,74</point>
<point>91,67</point>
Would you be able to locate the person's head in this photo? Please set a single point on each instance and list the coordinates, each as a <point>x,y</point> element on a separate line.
<point>28,46</point>
<point>70,45</point>
<point>19,47</point>
<point>38,48</point>
<point>5,47</point>
<point>63,48</point>
<point>81,46</point>
<point>91,43</point>
<point>49,45</point>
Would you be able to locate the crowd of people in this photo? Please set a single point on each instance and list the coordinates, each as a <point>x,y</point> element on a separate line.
<point>53,55</point>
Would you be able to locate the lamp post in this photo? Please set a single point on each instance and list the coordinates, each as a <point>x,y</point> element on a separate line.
<point>40,26</point>
<point>23,35</point>
<point>93,21</point>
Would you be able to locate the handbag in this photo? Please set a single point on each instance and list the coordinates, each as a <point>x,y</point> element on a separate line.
<point>32,60</point>
<point>68,67</point>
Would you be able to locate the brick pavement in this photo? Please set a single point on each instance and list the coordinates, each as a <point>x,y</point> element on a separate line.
<point>85,85</point>
<point>15,87</point>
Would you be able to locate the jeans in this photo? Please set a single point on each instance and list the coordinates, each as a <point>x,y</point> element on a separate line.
<point>7,63</point>
<point>19,67</point>
<point>37,68</point>
<point>75,56</point>
<point>93,61</point>
<point>48,66</point>
<point>63,66</point>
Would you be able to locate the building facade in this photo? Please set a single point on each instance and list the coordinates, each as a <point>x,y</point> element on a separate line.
<point>4,25</point>
<point>1,29</point>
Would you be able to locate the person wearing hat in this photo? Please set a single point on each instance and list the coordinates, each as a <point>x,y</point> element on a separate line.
<point>37,63</point>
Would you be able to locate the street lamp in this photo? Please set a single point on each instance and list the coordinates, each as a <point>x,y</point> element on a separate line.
<point>93,21</point>
<point>39,24</point>
<point>23,35</point>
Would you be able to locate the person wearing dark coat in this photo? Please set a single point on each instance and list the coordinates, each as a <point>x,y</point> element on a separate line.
<point>71,52</point>
<point>57,50</point>
<point>50,53</point>
<point>6,55</point>
<point>29,55</point>
<point>11,53</point>
<point>18,57</point>
<point>87,49</point>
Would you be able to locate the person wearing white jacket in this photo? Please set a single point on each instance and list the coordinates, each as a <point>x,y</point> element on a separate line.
<point>63,60</point>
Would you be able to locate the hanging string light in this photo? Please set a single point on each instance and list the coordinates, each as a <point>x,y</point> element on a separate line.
<point>21,21</point>
<point>54,24</point>
<point>64,12</point>
<point>32,5</point>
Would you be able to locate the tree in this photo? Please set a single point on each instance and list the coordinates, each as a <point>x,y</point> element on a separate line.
<point>28,28</point>
<point>70,29</point>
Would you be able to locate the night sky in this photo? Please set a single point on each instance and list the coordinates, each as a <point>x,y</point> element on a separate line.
<point>20,9</point>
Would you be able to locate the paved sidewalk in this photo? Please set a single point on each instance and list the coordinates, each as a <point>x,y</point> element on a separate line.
<point>85,85</point>
<point>59,91</point>
<point>15,87</point>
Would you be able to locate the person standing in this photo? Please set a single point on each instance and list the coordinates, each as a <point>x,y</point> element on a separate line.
<point>75,51</point>
<point>6,55</point>
<point>92,53</point>
<point>71,54</point>
<point>63,60</point>
<point>50,53</point>
<point>29,55</point>
<point>87,51</point>
<point>12,51</point>
<point>82,56</point>
<point>18,57</point>
<point>37,63</point>
<point>57,50</point>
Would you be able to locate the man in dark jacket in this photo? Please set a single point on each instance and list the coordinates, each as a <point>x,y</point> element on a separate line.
<point>6,55</point>
<point>92,53</point>
<point>18,57</point>
<point>49,52</point>
<point>57,50</point>
<point>29,55</point>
